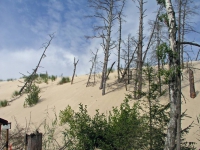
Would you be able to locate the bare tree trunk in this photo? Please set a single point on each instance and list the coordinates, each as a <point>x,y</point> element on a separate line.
<point>178,136</point>
<point>120,39</point>
<point>93,65</point>
<point>173,92</point>
<point>107,48</point>
<point>192,87</point>
<point>119,48</point>
<point>110,70</point>
<point>158,58</point>
<point>31,77</point>
<point>75,63</point>
<point>128,60</point>
<point>128,64</point>
<point>140,46</point>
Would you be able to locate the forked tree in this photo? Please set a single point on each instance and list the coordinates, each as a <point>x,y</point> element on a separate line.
<point>138,81</point>
<point>107,11</point>
<point>75,63</point>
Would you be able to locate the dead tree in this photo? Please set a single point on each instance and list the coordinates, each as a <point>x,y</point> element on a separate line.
<point>192,88</point>
<point>120,38</point>
<point>91,69</point>
<point>75,63</point>
<point>128,64</point>
<point>138,82</point>
<point>187,9</point>
<point>30,78</point>
<point>129,44</point>
<point>107,12</point>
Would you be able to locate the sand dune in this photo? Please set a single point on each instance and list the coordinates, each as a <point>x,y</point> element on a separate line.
<point>59,96</point>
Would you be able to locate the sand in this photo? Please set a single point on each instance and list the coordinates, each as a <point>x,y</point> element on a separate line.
<point>57,97</point>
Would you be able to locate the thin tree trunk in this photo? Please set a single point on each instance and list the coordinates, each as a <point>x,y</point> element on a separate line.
<point>139,60</point>
<point>128,60</point>
<point>107,46</point>
<point>178,136</point>
<point>170,143</point>
<point>93,65</point>
<point>119,46</point>
<point>158,58</point>
<point>75,63</point>
<point>110,70</point>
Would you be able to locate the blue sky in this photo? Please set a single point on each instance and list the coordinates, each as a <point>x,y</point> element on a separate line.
<point>26,24</point>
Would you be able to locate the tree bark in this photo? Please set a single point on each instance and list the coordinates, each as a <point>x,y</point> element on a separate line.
<point>192,87</point>
<point>120,39</point>
<point>170,143</point>
<point>140,46</point>
<point>178,136</point>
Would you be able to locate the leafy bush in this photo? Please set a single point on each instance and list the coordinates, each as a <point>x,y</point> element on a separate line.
<point>120,130</point>
<point>53,78</point>
<point>64,80</point>
<point>10,79</point>
<point>44,77</point>
<point>30,77</point>
<point>15,93</point>
<point>32,96</point>
<point>3,103</point>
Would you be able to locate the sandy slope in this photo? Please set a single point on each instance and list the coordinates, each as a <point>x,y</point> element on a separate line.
<point>59,96</point>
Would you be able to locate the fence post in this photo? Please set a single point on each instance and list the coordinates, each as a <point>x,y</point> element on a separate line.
<point>192,88</point>
<point>34,141</point>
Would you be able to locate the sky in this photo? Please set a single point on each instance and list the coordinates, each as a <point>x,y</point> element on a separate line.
<point>25,27</point>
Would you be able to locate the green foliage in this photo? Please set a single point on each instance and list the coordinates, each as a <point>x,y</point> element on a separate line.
<point>30,77</point>
<point>120,130</point>
<point>15,93</point>
<point>161,2</point>
<point>32,96</point>
<point>3,103</point>
<point>49,141</point>
<point>10,79</point>
<point>53,78</point>
<point>157,115</point>
<point>1,80</point>
<point>64,80</point>
<point>44,78</point>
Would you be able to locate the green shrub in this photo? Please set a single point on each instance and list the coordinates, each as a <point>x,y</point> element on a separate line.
<point>15,93</point>
<point>3,103</point>
<point>122,129</point>
<point>64,80</point>
<point>32,96</point>
<point>10,79</point>
<point>53,78</point>
<point>44,78</point>
<point>31,77</point>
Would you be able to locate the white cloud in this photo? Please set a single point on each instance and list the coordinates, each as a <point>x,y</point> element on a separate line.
<point>25,28</point>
